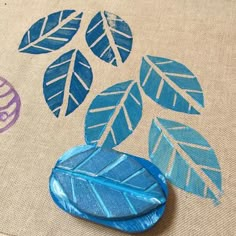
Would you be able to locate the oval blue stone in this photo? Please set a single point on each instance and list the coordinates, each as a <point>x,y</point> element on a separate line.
<point>107,187</point>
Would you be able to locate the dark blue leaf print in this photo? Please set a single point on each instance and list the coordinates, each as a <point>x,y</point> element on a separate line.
<point>110,38</point>
<point>51,33</point>
<point>67,82</point>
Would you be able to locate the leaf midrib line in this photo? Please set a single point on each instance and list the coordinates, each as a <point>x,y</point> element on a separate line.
<point>67,84</point>
<point>105,133</point>
<point>180,91</point>
<point>111,39</point>
<point>208,182</point>
<point>145,196</point>
<point>55,29</point>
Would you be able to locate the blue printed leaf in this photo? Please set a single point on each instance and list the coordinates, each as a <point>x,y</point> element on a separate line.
<point>109,188</point>
<point>113,115</point>
<point>110,38</point>
<point>51,33</point>
<point>171,84</point>
<point>67,82</point>
<point>186,158</point>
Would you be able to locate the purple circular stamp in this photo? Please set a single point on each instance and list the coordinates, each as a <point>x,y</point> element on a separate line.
<point>9,105</point>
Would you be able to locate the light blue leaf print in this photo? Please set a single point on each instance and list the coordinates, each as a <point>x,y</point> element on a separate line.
<point>185,158</point>
<point>109,187</point>
<point>113,115</point>
<point>110,38</point>
<point>51,33</point>
<point>171,84</point>
<point>67,82</point>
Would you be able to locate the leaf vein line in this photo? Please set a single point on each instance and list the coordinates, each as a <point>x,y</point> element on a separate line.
<point>98,40</point>
<point>69,28</point>
<point>43,26</point>
<point>207,148</point>
<point>123,48</point>
<point>74,99</point>
<point>159,90</point>
<point>132,208</point>
<point>162,63</point>
<point>104,51</point>
<point>58,39</point>
<point>147,76</point>
<point>102,109</point>
<point>151,187</point>
<point>112,165</point>
<point>121,33</point>
<point>73,190</point>
<point>95,26</point>
<point>171,162</point>
<point>59,64</point>
<point>140,171</point>
<point>81,81</point>
<point>55,95</point>
<point>180,75</point>
<point>135,99</point>
<point>176,128</point>
<point>56,79</point>
<point>44,48</point>
<point>83,64</point>
<point>96,126</point>
<point>188,177</point>
<point>111,93</point>
<point>113,136</point>
<point>127,118</point>
<point>103,206</point>
<point>86,160</point>
<point>157,143</point>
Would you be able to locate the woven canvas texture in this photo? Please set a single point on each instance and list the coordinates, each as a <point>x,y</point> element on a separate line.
<point>200,34</point>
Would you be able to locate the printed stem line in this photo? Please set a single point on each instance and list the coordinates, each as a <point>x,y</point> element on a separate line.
<point>151,197</point>
<point>67,85</point>
<point>115,114</point>
<point>111,40</point>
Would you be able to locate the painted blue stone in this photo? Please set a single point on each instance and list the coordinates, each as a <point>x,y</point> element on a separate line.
<point>107,187</point>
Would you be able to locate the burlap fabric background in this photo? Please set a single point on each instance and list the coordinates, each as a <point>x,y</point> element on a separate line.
<point>200,34</point>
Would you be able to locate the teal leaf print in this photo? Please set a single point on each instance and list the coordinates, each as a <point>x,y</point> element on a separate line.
<point>186,158</point>
<point>110,38</point>
<point>171,84</point>
<point>51,33</point>
<point>113,115</point>
<point>67,82</point>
